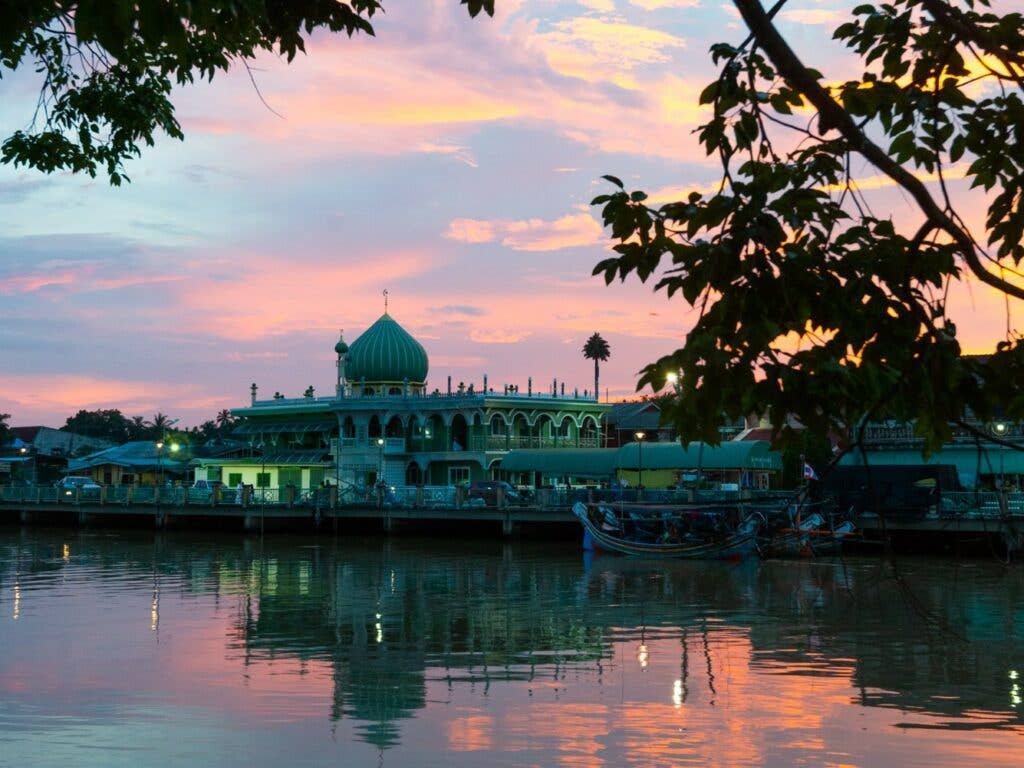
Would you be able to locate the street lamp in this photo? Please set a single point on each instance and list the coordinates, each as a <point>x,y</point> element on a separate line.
<point>32,479</point>
<point>640,459</point>
<point>159,465</point>
<point>380,473</point>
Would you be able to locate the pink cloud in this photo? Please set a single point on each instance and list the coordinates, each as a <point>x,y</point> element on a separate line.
<point>530,234</point>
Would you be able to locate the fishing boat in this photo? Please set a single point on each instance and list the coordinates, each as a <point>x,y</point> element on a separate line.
<point>699,532</point>
<point>802,535</point>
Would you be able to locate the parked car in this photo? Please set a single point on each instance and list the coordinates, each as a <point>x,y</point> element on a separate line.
<point>488,491</point>
<point>71,483</point>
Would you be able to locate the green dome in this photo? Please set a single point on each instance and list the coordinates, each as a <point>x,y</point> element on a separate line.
<point>386,353</point>
<point>341,347</point>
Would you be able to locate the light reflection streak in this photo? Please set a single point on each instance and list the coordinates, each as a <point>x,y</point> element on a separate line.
<point>154,610</point>
<point>16,611</point>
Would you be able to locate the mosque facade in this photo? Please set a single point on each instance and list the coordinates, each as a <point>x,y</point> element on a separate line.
<point>384,422</point>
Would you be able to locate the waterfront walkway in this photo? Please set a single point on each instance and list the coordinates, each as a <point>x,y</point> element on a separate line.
<point>960,514</point>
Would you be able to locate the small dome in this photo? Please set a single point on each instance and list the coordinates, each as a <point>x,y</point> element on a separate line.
<point>386,353</point>
<point>341,347</point>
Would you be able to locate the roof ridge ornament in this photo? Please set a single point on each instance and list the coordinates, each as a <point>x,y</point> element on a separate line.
<point>385,301</point>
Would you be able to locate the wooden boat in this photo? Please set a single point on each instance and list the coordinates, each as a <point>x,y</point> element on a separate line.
<point>808,537</point>
<point>706,533</point>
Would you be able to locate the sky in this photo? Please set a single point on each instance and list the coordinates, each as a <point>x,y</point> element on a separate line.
<point>450,161</point>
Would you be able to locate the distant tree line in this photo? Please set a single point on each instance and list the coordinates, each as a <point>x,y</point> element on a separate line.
<point>111,424</point>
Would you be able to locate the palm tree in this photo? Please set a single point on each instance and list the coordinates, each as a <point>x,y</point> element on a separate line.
<point>224,419</point>
<point>160,424</point>
<point>597,349</point>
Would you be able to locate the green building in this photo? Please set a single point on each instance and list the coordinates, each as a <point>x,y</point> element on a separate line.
<point>384,421</point>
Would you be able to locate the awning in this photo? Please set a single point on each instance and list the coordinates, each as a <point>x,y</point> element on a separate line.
<point>293,458</point>
<point>994,459</point>
<point>276,428</point>
<point>754,455</point>
<point>575,462</point>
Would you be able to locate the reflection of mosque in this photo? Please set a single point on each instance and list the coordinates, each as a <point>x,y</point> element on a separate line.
<point>390,618</point>
<point>386,620</point>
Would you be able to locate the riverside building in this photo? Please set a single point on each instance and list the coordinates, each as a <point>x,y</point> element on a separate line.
<point>386,422</point>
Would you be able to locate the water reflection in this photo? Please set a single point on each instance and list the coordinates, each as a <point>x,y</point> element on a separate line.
<point>508,655</point>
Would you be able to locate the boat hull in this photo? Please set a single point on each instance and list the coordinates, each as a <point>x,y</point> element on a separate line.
<point>733,547</point>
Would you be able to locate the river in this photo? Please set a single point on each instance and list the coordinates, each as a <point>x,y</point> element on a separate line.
<point>121,648</point>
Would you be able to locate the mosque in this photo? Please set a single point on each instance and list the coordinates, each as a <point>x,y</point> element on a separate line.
<point>384,422</point>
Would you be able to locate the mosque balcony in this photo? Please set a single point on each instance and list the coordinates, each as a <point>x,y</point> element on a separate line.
<point>510,442</point>
<point>353,445</point>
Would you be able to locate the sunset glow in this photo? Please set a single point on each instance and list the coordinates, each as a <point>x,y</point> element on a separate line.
<point>449,161</point>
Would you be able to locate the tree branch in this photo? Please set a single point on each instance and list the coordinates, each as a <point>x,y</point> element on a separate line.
<point>833,116</point>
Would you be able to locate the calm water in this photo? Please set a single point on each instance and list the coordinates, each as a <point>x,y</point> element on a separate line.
<point>125,649</point>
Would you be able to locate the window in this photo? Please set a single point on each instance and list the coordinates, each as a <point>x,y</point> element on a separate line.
<point>458,475</point>
<point>234,478</point>
<point>286,477</point>
<point>262,479</point>
<point>127,478</point>
<point>316,477</point>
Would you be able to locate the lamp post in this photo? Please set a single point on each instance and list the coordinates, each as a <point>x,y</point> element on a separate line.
<point>640,461</point>
<point>380,473</point>
<point>999,429</point>
<point>160,469</point>
<point>32,479</point>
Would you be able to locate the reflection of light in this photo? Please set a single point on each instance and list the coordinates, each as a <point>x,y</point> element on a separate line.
<point>1015,695</point>
<point>677,693</point>
<point>641,656</point>
<point>1013,674</point>
<point>17,601</point>
<point>67,553</point>
<point>380,629</point>
<point>392,581</point>
<point>154,611</point>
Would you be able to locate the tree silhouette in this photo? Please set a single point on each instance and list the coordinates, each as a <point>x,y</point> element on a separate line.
<point>160,424</point>
<point>597,349</point>
<point>111,66</point>
<point>810,303</point>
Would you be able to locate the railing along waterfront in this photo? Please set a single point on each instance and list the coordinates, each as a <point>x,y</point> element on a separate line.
<point>423,497</point>
<point>966,505</point>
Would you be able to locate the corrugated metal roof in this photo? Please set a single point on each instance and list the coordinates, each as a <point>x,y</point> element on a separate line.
<point>643,415</point>
<point>753,454</point>
<point>296,427</point>
<point>138,454</point>
<point>578,462</point>
<point>603,462</point>
<point>303,458</point>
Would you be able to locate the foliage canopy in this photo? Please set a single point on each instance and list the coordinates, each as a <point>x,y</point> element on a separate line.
<point>108,66</point>
<point>808,303</point>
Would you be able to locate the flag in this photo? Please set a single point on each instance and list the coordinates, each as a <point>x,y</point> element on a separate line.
<point>809,473</point>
